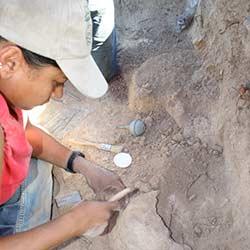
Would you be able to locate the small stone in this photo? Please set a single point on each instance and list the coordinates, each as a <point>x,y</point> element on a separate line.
<point>246,23</point>
<point>213,221</point>
<point>163,137</point>
<point>141,143</point>
<point>172,142</point>
<point>218,148</point>
<point>154,182</point>
<point>205,164</point>
<point>149,121</point>
<point>147,85</point>
<point>142,140</point>
<point>143,187</point>
<point>168,153</point>
<point>199,43</point>
<point>198,231</point>
<point>178,137</point>
<point>126,150</point>
<point>184,143</point>
<point>170,131</point>
<point>215,152</point>
<point>192,197</point>
<point>105,158</point>
<point>191,141</point>
<point>146,91</point>
<point>196,145</point>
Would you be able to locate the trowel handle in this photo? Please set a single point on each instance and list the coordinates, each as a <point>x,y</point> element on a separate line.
<point>84,143</point>
<point>121,194</point>
<point>102,146</point>
<point>123,127</point>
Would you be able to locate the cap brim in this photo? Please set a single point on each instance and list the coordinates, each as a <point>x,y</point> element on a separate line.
<point>85,75</point>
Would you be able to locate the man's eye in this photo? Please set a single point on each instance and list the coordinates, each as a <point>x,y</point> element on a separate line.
<point>57,84</point>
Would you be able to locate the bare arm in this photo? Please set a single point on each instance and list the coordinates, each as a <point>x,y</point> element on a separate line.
<point>77,221</point>
<point>1,154</point>
<point>81,218</point>
<point>43,237</point>
<point>46,147</point>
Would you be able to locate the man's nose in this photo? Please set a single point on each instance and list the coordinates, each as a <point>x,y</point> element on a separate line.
<point>58,92</point>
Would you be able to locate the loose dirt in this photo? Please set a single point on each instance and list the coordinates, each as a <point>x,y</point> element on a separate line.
<point>192,163</point>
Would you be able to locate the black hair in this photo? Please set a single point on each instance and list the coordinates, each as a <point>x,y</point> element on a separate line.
<point>34,59</point>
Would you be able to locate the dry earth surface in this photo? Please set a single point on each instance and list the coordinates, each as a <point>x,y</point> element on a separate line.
<point>192,164</point>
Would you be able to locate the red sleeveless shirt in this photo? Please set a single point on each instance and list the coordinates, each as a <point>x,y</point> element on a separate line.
<point>16,152</point>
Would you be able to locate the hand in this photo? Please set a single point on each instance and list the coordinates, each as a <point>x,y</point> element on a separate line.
<point>101,180</point>
<point>89,214</point>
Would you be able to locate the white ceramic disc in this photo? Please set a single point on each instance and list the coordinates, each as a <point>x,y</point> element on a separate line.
<point>123,160</point>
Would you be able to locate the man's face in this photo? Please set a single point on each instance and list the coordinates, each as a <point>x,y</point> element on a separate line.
<point>36,86</point>
<point>25,86</point>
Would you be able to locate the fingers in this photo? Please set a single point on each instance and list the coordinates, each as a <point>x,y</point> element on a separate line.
<point>122,197</point>
<point>118,185</point>
<point>121,184</point>
<point>113,205</point>
<point>110,190</point>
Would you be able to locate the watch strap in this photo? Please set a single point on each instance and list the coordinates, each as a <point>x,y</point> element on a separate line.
<point>71,159</point>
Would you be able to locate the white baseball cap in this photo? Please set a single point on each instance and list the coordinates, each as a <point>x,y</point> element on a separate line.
<point>60,30</point>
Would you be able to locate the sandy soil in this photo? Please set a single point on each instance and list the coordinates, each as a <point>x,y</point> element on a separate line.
<point>194,152</point>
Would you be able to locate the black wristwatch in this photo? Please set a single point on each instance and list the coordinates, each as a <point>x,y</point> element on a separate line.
<point>71,159</point>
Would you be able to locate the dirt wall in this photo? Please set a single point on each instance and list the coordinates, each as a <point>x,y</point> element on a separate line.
<point>192,164</point>
<point>220,212</point>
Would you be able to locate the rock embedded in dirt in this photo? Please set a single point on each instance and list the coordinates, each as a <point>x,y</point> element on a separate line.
<point>149,121</point>
<point>246,23</point>
<point>152,88</point>
<point>197,231</point>
<point>139,227</point>
<point>143,187</point>
<point>178,137</point>
<point>207,182</point>
<point>154,183</point>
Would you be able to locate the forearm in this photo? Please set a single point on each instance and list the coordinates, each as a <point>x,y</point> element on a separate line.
<point>46,236</point>
<point>1,153</point>
<point>46,147</point>
<point>76,222</point>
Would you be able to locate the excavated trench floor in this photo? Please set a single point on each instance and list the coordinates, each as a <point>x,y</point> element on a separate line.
<point>183,202</point>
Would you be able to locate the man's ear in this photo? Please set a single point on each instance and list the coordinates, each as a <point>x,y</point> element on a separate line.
<point>11,59</point>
